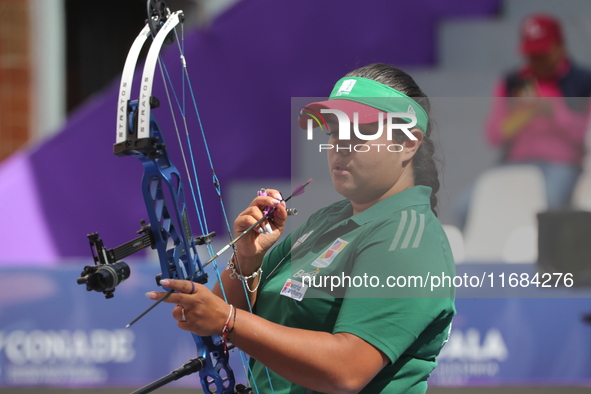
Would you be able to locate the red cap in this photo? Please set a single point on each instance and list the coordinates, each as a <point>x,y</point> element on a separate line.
<point>539,34</point>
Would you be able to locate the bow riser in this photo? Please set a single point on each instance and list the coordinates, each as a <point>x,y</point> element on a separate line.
<point>164,197</point>
<point>162,180</point>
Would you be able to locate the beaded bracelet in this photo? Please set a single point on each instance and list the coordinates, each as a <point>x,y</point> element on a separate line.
<point>236,275</point>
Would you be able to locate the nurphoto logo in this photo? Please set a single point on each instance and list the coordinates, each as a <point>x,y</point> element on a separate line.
<point>317,120</point>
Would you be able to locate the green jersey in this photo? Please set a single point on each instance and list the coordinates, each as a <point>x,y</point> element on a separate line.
<point>368,275</point>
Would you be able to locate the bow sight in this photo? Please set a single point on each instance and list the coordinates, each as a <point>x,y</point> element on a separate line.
<point>108,271</point>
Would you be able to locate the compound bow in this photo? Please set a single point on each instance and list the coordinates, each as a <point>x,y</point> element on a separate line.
<point>169,230</point>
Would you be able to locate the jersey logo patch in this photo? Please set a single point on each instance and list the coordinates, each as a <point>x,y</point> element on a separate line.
<point>294,289</point>
<point>329,254</point>
<point>346,87</point>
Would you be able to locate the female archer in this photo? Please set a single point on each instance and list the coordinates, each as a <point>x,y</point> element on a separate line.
<point>381,337</point>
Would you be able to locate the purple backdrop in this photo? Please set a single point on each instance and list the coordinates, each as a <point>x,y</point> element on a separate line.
<point>245,69</point>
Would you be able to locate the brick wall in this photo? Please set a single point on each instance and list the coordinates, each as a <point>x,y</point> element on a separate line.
<point>15,76</point>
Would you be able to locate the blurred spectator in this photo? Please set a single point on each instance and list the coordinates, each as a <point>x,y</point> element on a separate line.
<point>540,111</point>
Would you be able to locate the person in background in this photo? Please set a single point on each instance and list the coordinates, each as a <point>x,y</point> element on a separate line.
<point>540,111</point>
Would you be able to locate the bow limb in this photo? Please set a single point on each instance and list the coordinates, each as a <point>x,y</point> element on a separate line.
<point>127,83</point>
<point>145,101</point>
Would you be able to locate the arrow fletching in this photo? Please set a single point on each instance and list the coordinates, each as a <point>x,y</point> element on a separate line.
<point>299,190</point>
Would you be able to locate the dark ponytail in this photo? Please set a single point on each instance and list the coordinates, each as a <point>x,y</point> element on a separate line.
<point>423,162</point>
